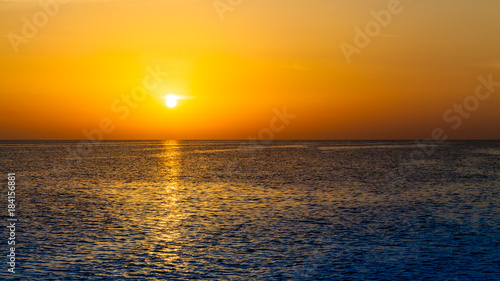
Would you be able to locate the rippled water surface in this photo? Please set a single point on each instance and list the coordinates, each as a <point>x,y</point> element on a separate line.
<point>228,210</point>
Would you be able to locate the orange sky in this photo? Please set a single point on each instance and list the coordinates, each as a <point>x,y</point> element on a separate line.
<point>234,67</point>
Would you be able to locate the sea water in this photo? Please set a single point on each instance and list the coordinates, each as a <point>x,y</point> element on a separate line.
<point>233,210</point>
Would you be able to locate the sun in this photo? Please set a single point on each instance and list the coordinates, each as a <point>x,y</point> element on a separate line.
<point>171,100</point>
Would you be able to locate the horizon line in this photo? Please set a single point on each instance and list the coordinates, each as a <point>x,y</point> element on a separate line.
<point>416,139</point>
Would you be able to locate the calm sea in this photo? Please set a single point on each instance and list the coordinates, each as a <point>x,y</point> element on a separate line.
<point>230,210</point>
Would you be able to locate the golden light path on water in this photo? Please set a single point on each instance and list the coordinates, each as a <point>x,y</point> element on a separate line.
<point>168,223</point>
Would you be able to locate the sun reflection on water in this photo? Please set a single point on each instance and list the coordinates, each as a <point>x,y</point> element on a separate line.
<point>169,217</point>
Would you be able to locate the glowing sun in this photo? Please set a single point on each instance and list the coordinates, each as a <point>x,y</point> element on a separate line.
<point>171,100</point>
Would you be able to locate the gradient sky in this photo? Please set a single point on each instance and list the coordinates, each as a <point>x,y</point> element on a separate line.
<point>264,54</point>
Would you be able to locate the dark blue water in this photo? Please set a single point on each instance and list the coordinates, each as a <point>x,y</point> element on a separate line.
<point>228,210</point>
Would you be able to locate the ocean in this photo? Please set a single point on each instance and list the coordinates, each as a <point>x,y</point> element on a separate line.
<point>235,210</point>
